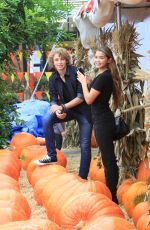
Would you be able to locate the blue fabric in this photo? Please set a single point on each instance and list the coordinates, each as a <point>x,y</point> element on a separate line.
<point>31,112</point>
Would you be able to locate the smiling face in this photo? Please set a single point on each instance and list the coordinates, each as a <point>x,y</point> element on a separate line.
<point>59,62</point>
<point>101,60</point>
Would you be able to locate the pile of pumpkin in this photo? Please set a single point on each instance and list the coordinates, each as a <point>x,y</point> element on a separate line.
<point>69,201</point>
<point>133,194</point>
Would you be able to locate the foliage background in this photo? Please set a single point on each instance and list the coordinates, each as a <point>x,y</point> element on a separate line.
<point>25,24</point>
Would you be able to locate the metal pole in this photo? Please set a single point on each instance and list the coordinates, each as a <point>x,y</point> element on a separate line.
<point>118,17</point>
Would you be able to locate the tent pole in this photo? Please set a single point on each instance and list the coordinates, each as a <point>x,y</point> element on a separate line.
<point>118,13</point>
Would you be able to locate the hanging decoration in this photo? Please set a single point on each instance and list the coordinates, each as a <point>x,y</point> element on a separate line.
<point>20,75</point>
<point>26,76</point>
<point>47,94</point>
<point>3,76</point>
<point>48,75</point>
<point>38,54</point>
<point>12,77</point>
<point>37,75</point>
<point>31,81</point>
<point>38,94</point>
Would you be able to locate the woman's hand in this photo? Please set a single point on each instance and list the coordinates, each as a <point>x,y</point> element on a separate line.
<point>81,78</point>
<point>60,115</point>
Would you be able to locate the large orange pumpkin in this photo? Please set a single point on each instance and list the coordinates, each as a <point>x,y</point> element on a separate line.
<point>46,170</point>
<point>136,189</point>
<point>63,194</point>
<point>143,172</point>
<point>94,186</point>
<point>62,160</point>
<point>9,157</point>
<point>108,223</point>
<point>8,214</point>
<point>123,187</point>
<point>8,179</point>
<point>13,206</point>
<point>139,210</point>
<point>86,207</point>
<point>33,224</point>
<point>9,169</point>
<point>30,153</point>
<point>72,188</point>
<point>31,167</point>
<point>20,141</point>
<point>15,197</point>
<point>8,185</point>
<point>41,184</point>
<point>144,222</point>
<point>58,184</point>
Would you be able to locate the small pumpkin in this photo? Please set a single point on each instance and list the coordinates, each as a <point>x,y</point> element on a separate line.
<point>96,171</point>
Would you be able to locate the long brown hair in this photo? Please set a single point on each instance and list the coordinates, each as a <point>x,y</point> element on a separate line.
<point>117,87</point>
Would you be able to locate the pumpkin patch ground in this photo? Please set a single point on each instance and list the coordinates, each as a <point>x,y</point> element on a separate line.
<point>73,161</point>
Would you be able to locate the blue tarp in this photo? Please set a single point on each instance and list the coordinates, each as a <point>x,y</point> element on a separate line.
<point>32,112</point>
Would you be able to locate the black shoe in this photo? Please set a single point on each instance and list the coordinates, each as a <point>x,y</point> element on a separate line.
<point>46,160</point>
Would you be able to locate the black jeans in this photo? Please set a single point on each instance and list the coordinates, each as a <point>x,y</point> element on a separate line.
<point>104,130</point>
<point>58,141</point>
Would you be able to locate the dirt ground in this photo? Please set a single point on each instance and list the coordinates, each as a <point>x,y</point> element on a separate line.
<point>73,161</point>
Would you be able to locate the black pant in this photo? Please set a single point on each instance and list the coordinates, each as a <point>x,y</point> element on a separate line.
<point>58,141</point>
<point>104,130</point>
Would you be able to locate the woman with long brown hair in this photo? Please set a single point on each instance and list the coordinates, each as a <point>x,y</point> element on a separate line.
<point>106,84</point>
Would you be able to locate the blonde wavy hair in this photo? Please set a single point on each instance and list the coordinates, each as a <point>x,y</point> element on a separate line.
<point>62,52</point>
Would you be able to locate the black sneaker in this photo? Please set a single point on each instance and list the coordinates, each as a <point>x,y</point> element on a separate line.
<point>46,160</point>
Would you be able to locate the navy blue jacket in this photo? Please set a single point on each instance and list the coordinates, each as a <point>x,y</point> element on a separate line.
<point>56,90</point>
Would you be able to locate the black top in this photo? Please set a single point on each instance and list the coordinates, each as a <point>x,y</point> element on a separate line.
<point>67,91</point>
<point>104,84</point>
